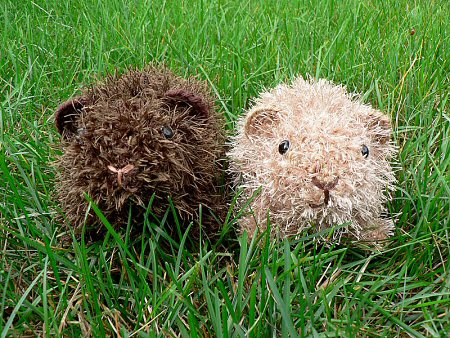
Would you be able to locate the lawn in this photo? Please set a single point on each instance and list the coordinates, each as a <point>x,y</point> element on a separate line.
<point>396,53</point>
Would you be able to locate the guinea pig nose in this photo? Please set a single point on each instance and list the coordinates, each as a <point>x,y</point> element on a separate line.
<point>332,184</point>
<point>325,185</point>
<point>318,183</point>
<point>121,172</point>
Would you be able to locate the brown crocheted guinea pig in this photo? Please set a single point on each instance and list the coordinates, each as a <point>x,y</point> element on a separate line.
<point>133,136</point>
<point>321,159</point>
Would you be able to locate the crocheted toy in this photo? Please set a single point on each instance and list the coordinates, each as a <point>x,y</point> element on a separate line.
<point>137,135</point>
<point>321,159</point>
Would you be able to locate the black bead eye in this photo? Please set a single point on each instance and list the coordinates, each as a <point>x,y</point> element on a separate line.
<point>284,147</point>
<point>365,151</point>
<point>167,132</point>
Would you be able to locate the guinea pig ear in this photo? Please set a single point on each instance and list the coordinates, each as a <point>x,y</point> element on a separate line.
<point>261,122</point>
<point>379,126</point>
<point>184,98</point>
<point>66,116</point>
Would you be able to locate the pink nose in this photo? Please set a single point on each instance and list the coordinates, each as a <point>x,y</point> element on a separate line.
<point>121,172</point>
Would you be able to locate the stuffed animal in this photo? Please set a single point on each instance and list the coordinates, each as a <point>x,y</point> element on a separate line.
<point>321,159</point>
<point>131,137</point>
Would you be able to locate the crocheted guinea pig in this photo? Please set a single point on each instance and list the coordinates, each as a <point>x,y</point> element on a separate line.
<point>321,159</point>
<point>133,136</point>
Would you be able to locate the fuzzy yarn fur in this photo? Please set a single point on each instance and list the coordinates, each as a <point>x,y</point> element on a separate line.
<point>136,135</point>
<point>320,157</point>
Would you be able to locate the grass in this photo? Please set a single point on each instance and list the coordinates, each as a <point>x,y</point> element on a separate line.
<point>395,53</point>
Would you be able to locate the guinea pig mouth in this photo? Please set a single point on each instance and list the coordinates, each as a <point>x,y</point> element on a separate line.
<point>326,200</point>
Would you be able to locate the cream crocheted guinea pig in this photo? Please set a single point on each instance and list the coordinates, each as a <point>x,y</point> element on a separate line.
<point>321,159</point>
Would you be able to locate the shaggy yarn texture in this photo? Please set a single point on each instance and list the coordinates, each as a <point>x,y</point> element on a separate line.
<point>136,135</point>
<point>320,157</point>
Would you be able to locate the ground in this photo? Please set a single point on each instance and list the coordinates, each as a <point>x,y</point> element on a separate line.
<point>395,53</point>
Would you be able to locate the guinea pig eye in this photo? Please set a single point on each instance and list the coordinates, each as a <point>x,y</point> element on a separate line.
<point>284,147</point>
<point>167,132</point>
<point>365,151</point>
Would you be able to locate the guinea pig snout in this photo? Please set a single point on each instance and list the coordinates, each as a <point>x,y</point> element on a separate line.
<point>121,172</point>
<point>326,187</point>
